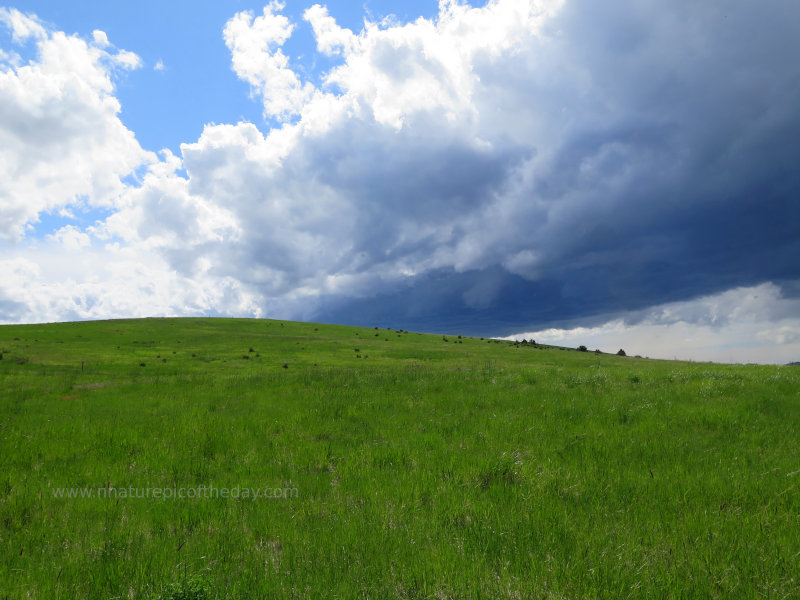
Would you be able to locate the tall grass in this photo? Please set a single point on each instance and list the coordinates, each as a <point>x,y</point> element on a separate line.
<point>427,470</point>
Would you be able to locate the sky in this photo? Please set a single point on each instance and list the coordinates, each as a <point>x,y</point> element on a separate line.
<point>609,174</point>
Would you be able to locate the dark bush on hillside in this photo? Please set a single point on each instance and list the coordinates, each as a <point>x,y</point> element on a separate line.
<point>582,349</point>
<point>621,352</point>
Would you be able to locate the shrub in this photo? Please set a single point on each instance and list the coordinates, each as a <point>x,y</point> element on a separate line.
<point>621,352</point>
<point>582,348</point>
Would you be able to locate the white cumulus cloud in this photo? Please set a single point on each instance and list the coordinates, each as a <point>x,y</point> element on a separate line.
<point>255,43</point>
<point>61,139</point>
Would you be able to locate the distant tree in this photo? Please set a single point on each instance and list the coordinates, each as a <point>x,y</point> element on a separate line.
<point>582,348</point>
<point>621,352</point>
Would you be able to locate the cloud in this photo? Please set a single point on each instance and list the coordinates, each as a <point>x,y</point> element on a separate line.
<point>70,237</point>
<point>23,27</point>
<point>100,38</point>
<point>756,324</point>
<point>70,283</point>
<point>331,39</point>
<point>257,59</point>
<point>61,140</point>
<point>515,149</point>
<point>519,166</point>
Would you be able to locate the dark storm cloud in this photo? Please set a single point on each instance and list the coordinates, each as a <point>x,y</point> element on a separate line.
<point>676,175</point>
<point>402,184</point>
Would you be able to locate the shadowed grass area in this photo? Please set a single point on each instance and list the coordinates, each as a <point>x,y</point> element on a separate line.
<point>407,466</point>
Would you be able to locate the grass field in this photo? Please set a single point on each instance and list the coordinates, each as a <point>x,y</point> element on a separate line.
<point>407,467</point>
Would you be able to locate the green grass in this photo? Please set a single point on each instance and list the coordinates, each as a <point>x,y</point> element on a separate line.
<point>423,469</point>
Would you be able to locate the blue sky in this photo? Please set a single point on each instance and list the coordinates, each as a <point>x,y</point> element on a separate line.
<point>616,175</point>
<point>197,86</point>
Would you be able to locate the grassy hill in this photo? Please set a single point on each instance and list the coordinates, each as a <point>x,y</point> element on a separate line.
<point>397,465</point>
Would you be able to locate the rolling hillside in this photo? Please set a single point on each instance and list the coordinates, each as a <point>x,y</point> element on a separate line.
<point>238,458</point>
